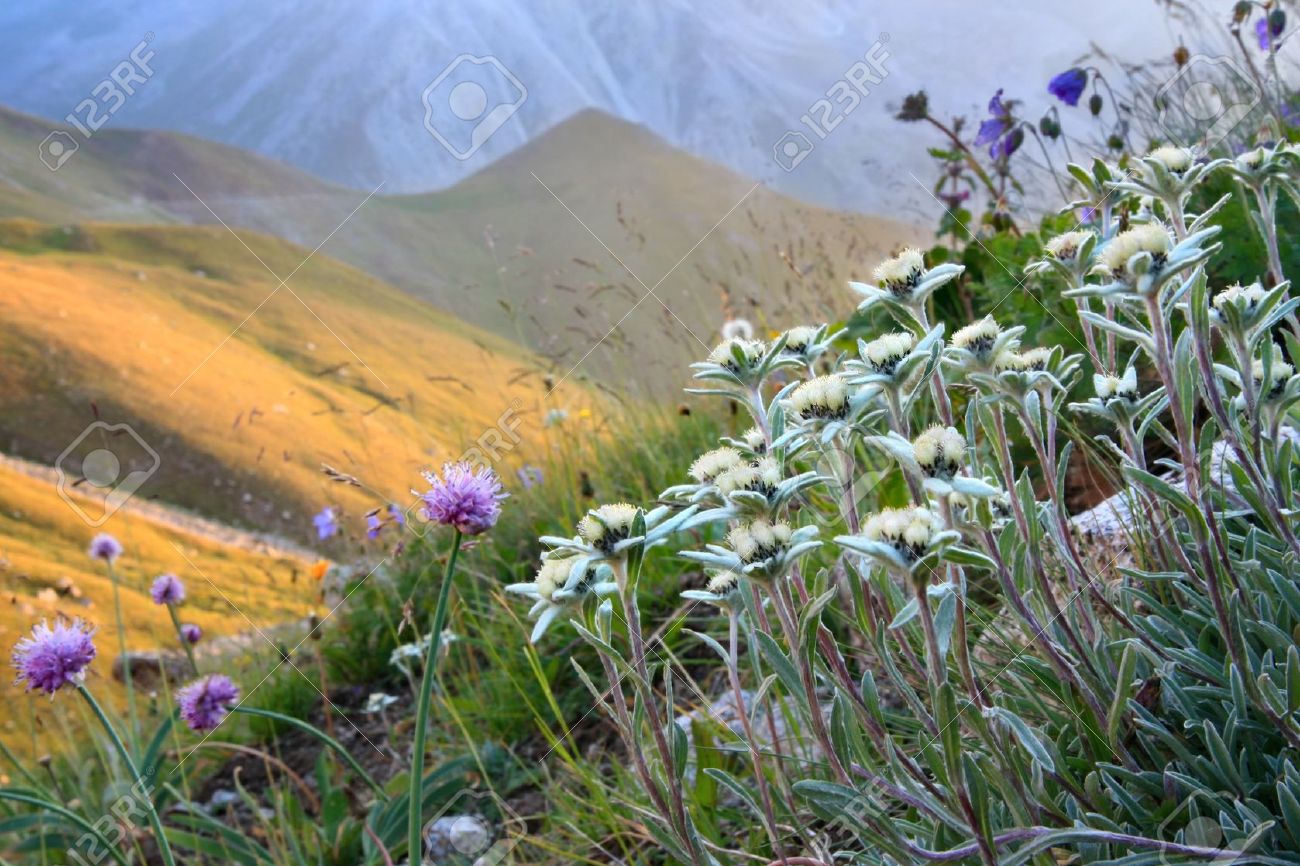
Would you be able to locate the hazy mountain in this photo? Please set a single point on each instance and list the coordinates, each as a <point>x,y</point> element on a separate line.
<point>519,248</point>
<point>336,87</point>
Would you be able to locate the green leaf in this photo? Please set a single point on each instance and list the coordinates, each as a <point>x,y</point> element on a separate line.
<point>1124,685</point>
<point>782,665</point>
<point>1026,736</point>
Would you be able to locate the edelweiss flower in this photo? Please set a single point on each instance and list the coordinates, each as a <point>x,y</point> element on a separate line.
<point>1246,297</point>
<point>723,582</point>
<point>1065,247</point>
<point>755,440</point>
<point>1176,159</point>
<point>901,274</point>
<point>552,575</point>
<point>709,465</point>
<point>556,588</point>
<point>721,589</point>
<point>759,540</point>
<point>798,340</point>
<point>1030,361</point>
<point>759,549</point>
<point>825,397</point>
<point>902,535</point>
<point>761,477</point>
<point>884,353</point>
<point>724,355</point>
<point>378,702</point>
<point>1150,238</point>
<point>940,451</point>
<point>1279,373</point>
<point>1124,388</point>
<point>606,526</point>
<point>978,337</point>
<point>1251,159</point>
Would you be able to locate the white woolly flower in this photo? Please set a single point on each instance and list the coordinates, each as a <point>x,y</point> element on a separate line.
<point>1247,296</point>
<point>709,465</point>
<point>737,329</point>
<point>940,451</point>
<point>1029,361</point>
<point>825,397</point>
<point>761,477</point>
<point>1251,159</point>
<point>724,354</point>
<point>759,540</point>
<point>798,340</point>
<point>1065,247</point>
<point>909,531</point>
<point>1124,387</point>
<point>1150,238</point>
<point>978,337</point>
<point>1176,159</point>
<point>607,525</point>
<point>755,440</point>
<point>722,583</point>
<point>1279,373</point>
<point>884,353</point>
<point>378,702</point>
<point>900,274</point>
<point>551,576</point>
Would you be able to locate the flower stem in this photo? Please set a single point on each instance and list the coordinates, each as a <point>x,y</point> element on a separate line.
<point>180,635</point>
<point>134,733</point>
<point>416,794</point>
<point>164,849</point>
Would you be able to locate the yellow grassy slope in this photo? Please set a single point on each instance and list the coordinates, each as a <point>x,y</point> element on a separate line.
<point>243,389</point>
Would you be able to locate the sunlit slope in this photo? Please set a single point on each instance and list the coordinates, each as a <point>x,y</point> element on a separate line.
<point>232,586</point>
<point>533,248</point>
<point>243,387</point>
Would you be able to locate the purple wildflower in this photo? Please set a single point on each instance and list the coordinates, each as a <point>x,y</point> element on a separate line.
<point>205,702</point>
<point>52,658</point>
<point>1008,144</point>
<point>191,633</point>
<point>1268,28</point>
<point>326,523</point>
<point>167,589</point>
<point>373,526</point>
<point>464,497</point>
<point>997,124</point>
<point>105,547</point>
<point>1069,85</point>
<point>529,476</point>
